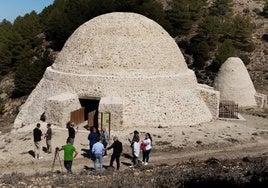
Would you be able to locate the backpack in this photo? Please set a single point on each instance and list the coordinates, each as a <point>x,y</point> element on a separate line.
<point>143,146</point>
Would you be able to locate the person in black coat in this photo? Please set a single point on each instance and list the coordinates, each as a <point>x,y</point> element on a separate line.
<point>37,134</point>
<point>71,131</point>
<point>117,150</point>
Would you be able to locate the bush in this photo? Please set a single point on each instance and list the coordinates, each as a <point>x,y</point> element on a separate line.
<point>264,12</point>
<point>257,11</point>
<point>1,106</point>
<point>246,10</point>
<point>244,58</point>
<point>248,47</point>
<point>12,179</point>
<point>265,51</point>
<point>265,37</point>
<point>215,66</point>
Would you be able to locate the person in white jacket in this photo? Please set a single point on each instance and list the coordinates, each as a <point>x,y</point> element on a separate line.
<point>135,152</point>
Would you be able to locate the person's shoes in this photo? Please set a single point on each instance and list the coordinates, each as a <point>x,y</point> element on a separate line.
<point>142,162</point>
<point>40,157</point>
<point>131,166</point>
<point>146,163</point>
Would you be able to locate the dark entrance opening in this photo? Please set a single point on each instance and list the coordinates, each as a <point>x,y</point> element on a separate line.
<point>91,106</point>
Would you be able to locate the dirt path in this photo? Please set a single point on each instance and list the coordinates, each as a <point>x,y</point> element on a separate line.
<point>157,158</point>
<point>219,139</point>
<point>238,151</point>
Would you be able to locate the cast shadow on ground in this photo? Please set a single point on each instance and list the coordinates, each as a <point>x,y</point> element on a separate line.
<point>86,153</point>
<point>127,156</point>
<point>44,149</point>
<point>126,164</point>
<point>31,152</point>
<point>91,169</point>
<point>87,168</point>
<point>87,127</point>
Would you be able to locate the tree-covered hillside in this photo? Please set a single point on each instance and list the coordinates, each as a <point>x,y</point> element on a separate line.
<point>207,32</point>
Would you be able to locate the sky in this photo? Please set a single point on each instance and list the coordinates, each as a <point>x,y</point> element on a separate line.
<point>10,9</point>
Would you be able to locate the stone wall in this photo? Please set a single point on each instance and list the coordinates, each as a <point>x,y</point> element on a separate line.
<point>211,98</point>
<point>147,101</point>
<point>261,100</point>
<point>58,108</point>
<point>113,105</point>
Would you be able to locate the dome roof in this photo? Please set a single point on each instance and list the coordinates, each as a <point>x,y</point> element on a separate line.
<point>234,83</point>
<point>120,43</point>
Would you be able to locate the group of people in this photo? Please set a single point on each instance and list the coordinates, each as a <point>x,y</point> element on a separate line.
<point>98,142</point>
<point>69,150</point>
<point>37,134</point>
<point>145,146</point>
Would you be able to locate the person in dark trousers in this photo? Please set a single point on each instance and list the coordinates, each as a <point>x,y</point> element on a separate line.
<point>48,137</point>
<point>135,152</point>
<point>117,150</point>
<point>104,139</point>
<point>147,142</point>
<point>136,137</point>
<point>37,134</point>
<point>69,154</point>
<point>71,131</point>
<point>93,137</point>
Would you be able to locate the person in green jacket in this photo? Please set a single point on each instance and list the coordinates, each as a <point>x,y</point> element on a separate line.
<point>69,154</point>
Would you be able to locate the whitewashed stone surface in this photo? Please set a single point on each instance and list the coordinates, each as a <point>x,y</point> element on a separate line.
<point>134,67</point>
<point>234,83</point>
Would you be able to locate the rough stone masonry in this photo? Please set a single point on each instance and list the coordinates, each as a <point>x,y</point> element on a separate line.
<point>132,66</point>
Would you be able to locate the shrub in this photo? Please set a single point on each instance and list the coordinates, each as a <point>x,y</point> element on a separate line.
<point>265,51</point>
<point>257,11</point>
<point>244,58</point>
<point>249,47</point>
<point>246,10</point>
<point>1,106</point>
<point>264,12</point>
<point>265,37</point>
<point>13,178</point>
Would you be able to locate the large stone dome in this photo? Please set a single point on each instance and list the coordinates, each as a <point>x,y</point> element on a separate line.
<point>120,43</point>
<point>131,66</point>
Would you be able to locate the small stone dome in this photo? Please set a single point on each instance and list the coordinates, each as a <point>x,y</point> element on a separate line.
<point>120,43</point>
<point>234,83</point>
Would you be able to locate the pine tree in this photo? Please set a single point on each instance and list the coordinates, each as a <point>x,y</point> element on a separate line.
<point>241,32</point>
<point>183,13</point>
<point>29,27</point>
<point>225,50</point>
